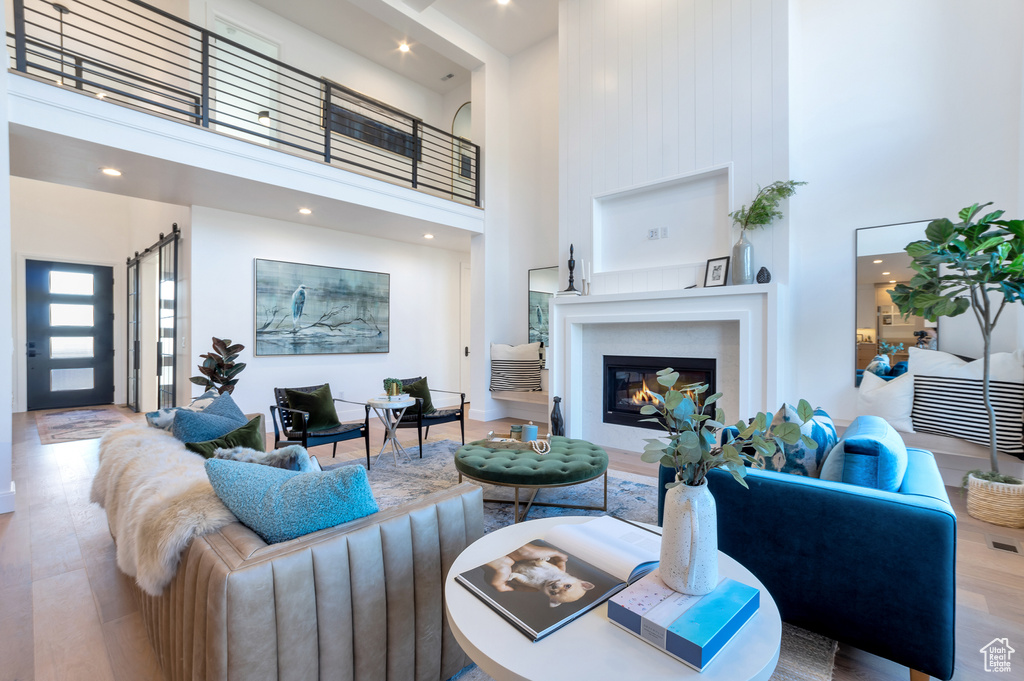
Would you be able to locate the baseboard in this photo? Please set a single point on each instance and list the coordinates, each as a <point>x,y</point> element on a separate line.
<point>7,500</point>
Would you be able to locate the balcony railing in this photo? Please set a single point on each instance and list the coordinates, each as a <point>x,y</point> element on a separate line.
<point>137,55</point>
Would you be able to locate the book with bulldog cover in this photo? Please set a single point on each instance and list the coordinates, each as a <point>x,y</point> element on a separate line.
<point>547,583</point>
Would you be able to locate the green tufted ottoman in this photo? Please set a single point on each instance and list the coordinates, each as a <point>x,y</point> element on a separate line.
<point>570,462</point>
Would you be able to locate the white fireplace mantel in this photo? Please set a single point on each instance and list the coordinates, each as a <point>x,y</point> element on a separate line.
<point>755,308</point>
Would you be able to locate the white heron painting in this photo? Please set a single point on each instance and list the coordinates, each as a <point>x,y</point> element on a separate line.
<point>317,310</point>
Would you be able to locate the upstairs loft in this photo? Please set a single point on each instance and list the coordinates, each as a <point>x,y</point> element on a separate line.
<point>141,57</point>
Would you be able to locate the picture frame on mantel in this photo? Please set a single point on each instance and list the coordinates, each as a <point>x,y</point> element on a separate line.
<point>717,272</point>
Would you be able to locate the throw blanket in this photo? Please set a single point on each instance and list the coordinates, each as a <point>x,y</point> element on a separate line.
<point>157,498</point>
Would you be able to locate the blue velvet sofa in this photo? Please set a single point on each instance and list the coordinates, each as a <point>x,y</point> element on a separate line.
<point>872,569</point>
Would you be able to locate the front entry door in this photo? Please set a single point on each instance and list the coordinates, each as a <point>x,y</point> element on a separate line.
<point>69,319</point>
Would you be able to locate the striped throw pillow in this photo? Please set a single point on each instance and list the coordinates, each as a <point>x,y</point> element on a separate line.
<point>521,375</point>
<point>954,406</point>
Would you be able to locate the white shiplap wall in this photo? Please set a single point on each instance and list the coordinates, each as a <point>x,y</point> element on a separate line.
<point>656,88</point>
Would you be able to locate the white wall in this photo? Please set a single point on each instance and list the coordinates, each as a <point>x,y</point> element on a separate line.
<point>900,111</point>
<point>533,174</point>
<point>424,313</point>
<point>320,57</point>
<point>69,224</point>
<point>652,89</point>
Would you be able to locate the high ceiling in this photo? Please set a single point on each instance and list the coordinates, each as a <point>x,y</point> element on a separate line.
<point>508,28</point>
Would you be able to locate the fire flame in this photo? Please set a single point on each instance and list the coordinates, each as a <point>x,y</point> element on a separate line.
<point>644,396</point>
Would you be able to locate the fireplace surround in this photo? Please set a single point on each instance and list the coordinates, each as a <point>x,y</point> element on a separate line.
<point>630,382</point>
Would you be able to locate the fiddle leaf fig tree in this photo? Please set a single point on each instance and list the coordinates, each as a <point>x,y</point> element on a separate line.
<point>976,264</point>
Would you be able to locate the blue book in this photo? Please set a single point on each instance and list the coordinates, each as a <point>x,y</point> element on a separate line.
<point>692,629</point>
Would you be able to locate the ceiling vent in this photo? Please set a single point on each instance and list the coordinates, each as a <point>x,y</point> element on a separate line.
<point>448,77</point>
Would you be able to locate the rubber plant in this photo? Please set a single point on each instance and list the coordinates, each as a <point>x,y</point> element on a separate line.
<point>219,369</point>
<point>973,264</point>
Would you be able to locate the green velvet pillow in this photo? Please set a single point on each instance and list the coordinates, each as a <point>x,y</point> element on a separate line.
<point>249,436</point>
<point>319,404</point>
<point>420,389</point>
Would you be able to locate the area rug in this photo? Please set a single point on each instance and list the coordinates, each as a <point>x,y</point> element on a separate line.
<point>633,497</point>
<point>805,656</point>
<point>69,425</point>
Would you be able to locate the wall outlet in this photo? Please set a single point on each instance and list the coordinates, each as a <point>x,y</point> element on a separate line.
<point>664,232</point>
<point>652,234</point>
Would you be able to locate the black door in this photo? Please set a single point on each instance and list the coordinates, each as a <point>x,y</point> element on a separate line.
<point>70,334</point>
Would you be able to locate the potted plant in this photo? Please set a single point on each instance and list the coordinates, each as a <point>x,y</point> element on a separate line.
<point>976,265</point>
<point>689,547</point>
<point>219,369</point>
<point>763,210</point>
<point>392,386</point>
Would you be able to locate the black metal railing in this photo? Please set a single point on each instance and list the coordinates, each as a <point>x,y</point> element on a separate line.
<point>134,54</point>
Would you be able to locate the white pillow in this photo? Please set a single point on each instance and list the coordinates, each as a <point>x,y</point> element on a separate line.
<point>506,352</point>
<point>891,400</point>
<point>1006,366</point>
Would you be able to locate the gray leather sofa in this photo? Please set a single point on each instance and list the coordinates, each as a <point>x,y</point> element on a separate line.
<point>363,600</point>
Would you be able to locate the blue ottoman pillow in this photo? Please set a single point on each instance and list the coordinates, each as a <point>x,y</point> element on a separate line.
<point>279,505</point>
<point>218,419</point>
<point>871,454</point>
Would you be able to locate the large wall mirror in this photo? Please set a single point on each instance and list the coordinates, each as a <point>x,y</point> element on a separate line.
<point>882,262</point>
<point>543,285</point>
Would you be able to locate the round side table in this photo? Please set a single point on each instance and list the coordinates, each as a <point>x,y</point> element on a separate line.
<point>592,647</point>
<point>390,413</point>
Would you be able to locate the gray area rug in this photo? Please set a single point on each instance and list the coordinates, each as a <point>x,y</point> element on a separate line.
<point>633,497</point>
<point>805,656</point>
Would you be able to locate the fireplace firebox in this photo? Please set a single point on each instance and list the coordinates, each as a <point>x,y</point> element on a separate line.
<point>632,382</point>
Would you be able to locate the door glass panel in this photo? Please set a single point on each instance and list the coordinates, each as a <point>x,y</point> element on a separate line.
<point>70,315</point>
<point>71,379</point>
<point>71,283</point>
<point>70,347</point>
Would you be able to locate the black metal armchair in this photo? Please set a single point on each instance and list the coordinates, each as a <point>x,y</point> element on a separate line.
<point>415,418</point>
<point>290,425</point>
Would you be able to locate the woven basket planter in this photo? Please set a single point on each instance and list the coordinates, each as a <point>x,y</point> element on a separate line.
<point>995,502</point>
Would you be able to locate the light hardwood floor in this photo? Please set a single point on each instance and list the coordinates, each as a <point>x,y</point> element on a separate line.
<point>66,612</point>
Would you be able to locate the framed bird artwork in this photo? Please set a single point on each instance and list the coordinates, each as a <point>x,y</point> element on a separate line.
<point>318,310</point>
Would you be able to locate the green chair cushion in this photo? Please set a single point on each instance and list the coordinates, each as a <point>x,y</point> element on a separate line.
<point>249,436</point>
<point>319,404</point>
<point>568,462</point>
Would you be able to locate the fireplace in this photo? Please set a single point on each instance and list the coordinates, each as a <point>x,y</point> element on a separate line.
<point>631,382</point>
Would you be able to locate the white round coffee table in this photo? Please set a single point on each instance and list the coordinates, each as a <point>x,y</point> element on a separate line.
<point>592,647</point>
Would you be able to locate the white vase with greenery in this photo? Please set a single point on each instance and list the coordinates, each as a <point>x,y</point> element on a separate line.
<point>689,545</point>
<point>763,210</point>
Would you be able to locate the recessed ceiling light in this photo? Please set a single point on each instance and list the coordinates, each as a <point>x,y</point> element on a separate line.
<point>885,274</point>
<point>113,172</point>
<point>101,95</point>
<point>263,117</point>
<point>502,2</point>
<point>404,47</point>
<point>305,211</point>
<point>428,236</point>
<point>892,281</point>
<point>876,261</point>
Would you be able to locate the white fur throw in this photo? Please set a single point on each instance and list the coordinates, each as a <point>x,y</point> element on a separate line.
<point>157,498</point>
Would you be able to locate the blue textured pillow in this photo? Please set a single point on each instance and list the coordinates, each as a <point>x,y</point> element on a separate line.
<point>871,454</point>
<point>164,418</point>
<point>225,406</point>
<point>217,420</point>
<point>801,459</point>
<point>279,505</point>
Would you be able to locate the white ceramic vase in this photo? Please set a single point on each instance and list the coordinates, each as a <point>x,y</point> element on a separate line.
<point>689,540</point>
